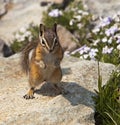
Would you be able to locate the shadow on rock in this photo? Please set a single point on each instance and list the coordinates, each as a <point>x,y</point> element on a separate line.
<point>47,89</point>
<point>77,94</point>
<point>74,93</point>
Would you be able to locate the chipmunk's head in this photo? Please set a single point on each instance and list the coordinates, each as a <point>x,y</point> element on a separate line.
<point>48,38</point>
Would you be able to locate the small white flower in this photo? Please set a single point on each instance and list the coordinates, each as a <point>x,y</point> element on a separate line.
<point>110,40</point>
<point>81,57</point>
<point>22,38</point>
<point>118,47</point>
<point>23,30</point>
<point>104,40</point>
<point>17,36</point>
<point>85,56</point>
<point>28,33</point>
<point>67,53</point>
<point>96,42</point>
<point>55,13</point>
<point>79,25</point>
<point>96,30</point>
<point>78,17</point>
<point>80,11</point>
<point>85,13</point>
<point>71,22</point>
<point>30,38</point>
<point>85,6</point>
<point>116,18</point>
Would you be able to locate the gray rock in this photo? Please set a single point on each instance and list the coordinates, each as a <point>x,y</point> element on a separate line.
<point>67,39</point>
<point>103,7</point>
<point>76,107</point>
<point>5,50</point>
<point>3,9</point>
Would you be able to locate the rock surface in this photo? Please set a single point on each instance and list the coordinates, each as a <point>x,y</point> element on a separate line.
<point>76,107</point>
<point>103,7</point>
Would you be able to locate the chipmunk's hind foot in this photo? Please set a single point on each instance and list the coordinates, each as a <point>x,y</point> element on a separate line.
<point>30,94</point>
<point>27,96</point>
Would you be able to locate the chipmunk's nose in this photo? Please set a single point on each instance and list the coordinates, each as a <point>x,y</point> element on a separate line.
<point>50,50</point>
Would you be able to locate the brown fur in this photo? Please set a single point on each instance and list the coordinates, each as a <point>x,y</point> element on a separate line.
<point>25,55</point>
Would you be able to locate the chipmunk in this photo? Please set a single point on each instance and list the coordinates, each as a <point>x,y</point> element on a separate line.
<point>41,60</point>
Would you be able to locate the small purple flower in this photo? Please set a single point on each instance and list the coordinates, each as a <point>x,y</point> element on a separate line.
<point>118,41</point>
<point>93,53</point>
<point>77,50</point>
<point>111,31</point>
<point>86,49</point>
<point>117,37</point>
<point>55,13</point>
<point>105,21</point>
<point>81,50</point>
<point>114,29</point>
<point>107,32</point>
<point>107,50</point>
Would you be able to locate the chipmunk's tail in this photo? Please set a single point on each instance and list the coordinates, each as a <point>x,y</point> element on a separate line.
<point>26,53</point>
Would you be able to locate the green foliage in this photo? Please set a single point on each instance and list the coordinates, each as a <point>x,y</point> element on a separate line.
<point>107,106</point>
<point>105,42</point>
<point>63,20</point>
<point>24,35</point>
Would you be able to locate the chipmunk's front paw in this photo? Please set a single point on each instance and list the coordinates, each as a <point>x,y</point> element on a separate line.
<point>41,64</point>
<point>28,96</point>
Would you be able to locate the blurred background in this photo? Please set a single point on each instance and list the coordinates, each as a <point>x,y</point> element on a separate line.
<point>88,29</point>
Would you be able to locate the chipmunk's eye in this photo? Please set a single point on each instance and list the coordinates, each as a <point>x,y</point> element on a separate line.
<point>55,41</point>
<point>43,42</point>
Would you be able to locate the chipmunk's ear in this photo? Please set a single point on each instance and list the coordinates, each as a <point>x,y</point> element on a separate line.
<point>55,28</point>
<point>42,29</point>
